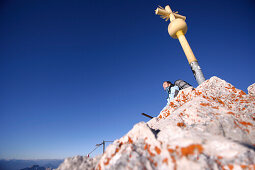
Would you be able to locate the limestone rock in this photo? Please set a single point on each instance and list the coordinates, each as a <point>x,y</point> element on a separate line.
<point>209,127</point>
<point>79,163</point>
<point>251,89</point>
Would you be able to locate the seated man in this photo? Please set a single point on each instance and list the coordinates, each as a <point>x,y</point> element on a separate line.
<point>171,89</point>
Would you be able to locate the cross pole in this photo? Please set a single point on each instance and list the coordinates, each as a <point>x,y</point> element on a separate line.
<point>177,29</point>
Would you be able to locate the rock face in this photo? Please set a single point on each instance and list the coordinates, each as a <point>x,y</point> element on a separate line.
<point>79,163</point>
<point>210,127</point>
<point>251,90</point>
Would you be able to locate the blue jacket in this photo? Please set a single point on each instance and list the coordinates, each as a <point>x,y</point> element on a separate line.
<point>172,91</point>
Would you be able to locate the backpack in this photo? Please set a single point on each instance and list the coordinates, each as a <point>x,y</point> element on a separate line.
<point>182,84</point>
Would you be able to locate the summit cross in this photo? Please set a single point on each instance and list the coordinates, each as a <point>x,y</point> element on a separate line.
<point>177,29</point>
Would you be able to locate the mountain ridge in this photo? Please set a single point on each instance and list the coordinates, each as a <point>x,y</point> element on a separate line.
<point>211,126</point>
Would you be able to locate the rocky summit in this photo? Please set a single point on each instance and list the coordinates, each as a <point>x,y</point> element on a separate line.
<point>208,127</point>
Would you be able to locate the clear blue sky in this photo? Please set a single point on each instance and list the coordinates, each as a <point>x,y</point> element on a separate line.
<point>74,73</point>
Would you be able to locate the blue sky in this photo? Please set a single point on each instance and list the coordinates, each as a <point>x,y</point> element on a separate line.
<point>74,73</point>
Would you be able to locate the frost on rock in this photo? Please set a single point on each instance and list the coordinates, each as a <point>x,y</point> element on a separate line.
<point>209,127</point>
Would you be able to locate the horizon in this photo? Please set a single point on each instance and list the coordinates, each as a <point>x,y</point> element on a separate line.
<point>29,159</point>
<point>77,73</point>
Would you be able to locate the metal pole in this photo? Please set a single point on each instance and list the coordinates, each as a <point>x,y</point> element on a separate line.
<point>147,115</point>
<point>103,145</point>
<point>198,74</point>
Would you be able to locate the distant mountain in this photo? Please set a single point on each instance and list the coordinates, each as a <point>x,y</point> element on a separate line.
<point>15,164</point>
<point>36,167</point>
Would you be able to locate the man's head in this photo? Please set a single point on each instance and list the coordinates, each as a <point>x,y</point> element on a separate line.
<point>166,84</point>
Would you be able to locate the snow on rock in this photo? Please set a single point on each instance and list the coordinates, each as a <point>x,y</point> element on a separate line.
<point>209,127</point>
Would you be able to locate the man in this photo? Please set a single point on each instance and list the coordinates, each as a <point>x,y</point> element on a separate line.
<point>171,89</point>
